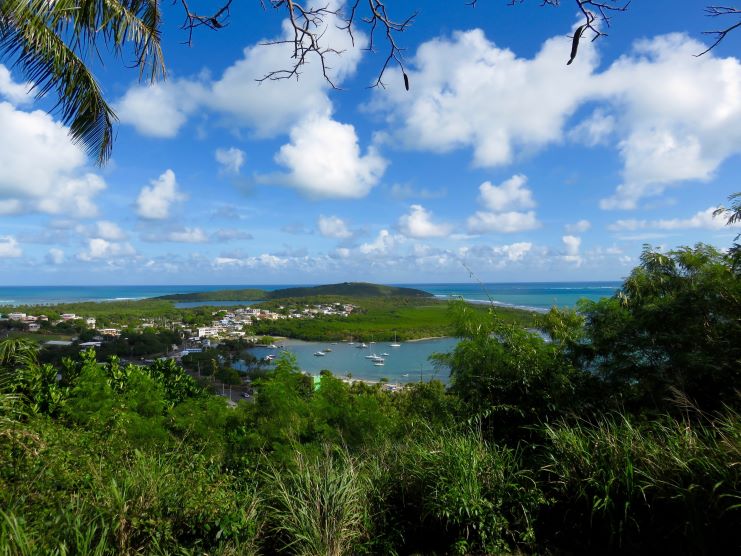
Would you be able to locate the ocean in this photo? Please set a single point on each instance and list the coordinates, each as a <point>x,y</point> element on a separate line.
<point>530,295</point>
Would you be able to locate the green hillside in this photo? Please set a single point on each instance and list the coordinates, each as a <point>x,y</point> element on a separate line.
<point>248,294</point>
<point>346,289</point>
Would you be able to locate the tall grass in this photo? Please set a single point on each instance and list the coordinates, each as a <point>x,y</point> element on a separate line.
<point>454,493</point>
<point>666,483</point>
<point>319,505</point>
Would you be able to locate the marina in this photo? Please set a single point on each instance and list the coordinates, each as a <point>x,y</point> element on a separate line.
<point>407,363</point>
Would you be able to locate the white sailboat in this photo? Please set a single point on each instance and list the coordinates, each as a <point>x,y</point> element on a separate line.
<point>395,344</point>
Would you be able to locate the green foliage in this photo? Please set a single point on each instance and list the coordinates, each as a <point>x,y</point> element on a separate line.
<point>561,442</point>
<point>380,319</point>
<point>674,326</point>
<point>508,377</point>
<point>318,505</point>
<point>465,496</point>
<point>665,486</point>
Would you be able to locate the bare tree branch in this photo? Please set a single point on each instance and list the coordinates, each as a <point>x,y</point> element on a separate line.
<point>309,23</point>
<point>717,11</point>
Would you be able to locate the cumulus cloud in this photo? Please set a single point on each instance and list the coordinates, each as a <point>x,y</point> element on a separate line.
<point>511,194</point>
<point>571,246</point>
<point>500,200</point>
<point>99,248</point>
<point>154,202</point>
<point>41,169</point>
<point>471,93</point>
<point>265,107</point>
<point>333,226</point>
<point>505,222</point>
<point>595,130</point>
<point>188,235</point>
<point>109,230</point>
<point>324,160</point>
<point>383,244</point>
<point>675,117</point>
<point>703,219</point>
<point>578,227</point>
<point>161,109</point>
<point>17,93</point>
<point>9,247</point>
<point>418,223</point>
<point>231,160</point>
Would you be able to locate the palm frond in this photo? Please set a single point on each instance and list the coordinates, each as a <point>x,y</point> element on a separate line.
<point>51,42</point>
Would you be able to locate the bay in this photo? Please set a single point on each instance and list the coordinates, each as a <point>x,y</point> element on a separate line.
<point>408,363</point>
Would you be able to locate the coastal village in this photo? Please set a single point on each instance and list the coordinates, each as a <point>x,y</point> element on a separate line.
<point>227,324</point>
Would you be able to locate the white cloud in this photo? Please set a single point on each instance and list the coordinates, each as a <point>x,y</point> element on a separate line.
<point>55,256</point>
<point>9,247</point>
<point>505,222</point>
<point>109,230</point>
<point>231,160</point>
<point>511,194</point>
<point>703,219</point>
<point>516,251</point>
<point>268,107</point>
<point>40,168</point>
<point>499,200</point>
<point>470,93</point>
<point>154,202</point>
<point>160,109</point>
<point>578,227</point>
<point>99,248</point>
<point>188,235</point>
<point>595,130</point>
<point>418,223</point>
<point>681,113</point>
<point>333,226</point>
<point>324,160</point>
<point>382,245</point>
<point>676,117</point>
<point>17,93</point>
<point>572,245</point>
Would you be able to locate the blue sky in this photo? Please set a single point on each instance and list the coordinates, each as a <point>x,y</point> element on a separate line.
<point>501,158</point>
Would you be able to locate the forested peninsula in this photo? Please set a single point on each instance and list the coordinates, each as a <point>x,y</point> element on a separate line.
<point>345,289</point>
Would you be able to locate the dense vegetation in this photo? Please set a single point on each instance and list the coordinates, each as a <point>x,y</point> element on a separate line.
<point>346,289</point>
<point>621,435</point>
<point>376,319</point>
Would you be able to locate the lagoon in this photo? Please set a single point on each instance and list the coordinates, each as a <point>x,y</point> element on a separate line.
<point>407,363</point>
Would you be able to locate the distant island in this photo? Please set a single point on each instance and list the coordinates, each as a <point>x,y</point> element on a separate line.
<point>345,289</point>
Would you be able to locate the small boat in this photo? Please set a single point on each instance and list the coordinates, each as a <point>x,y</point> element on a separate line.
<point>269,358</point>
<point>385,354</point>
<point>395,344</point>
<point>378,364</point>
<point>319,354</point>
<point>273,346</point>
<point>362,346</point>
<point>327,350</point>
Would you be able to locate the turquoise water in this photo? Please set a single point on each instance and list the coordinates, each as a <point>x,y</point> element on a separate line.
<point>403,364</point>
<point>533,295</point>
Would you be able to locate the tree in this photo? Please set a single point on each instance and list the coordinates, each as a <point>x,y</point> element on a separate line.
<point>672,327</point>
